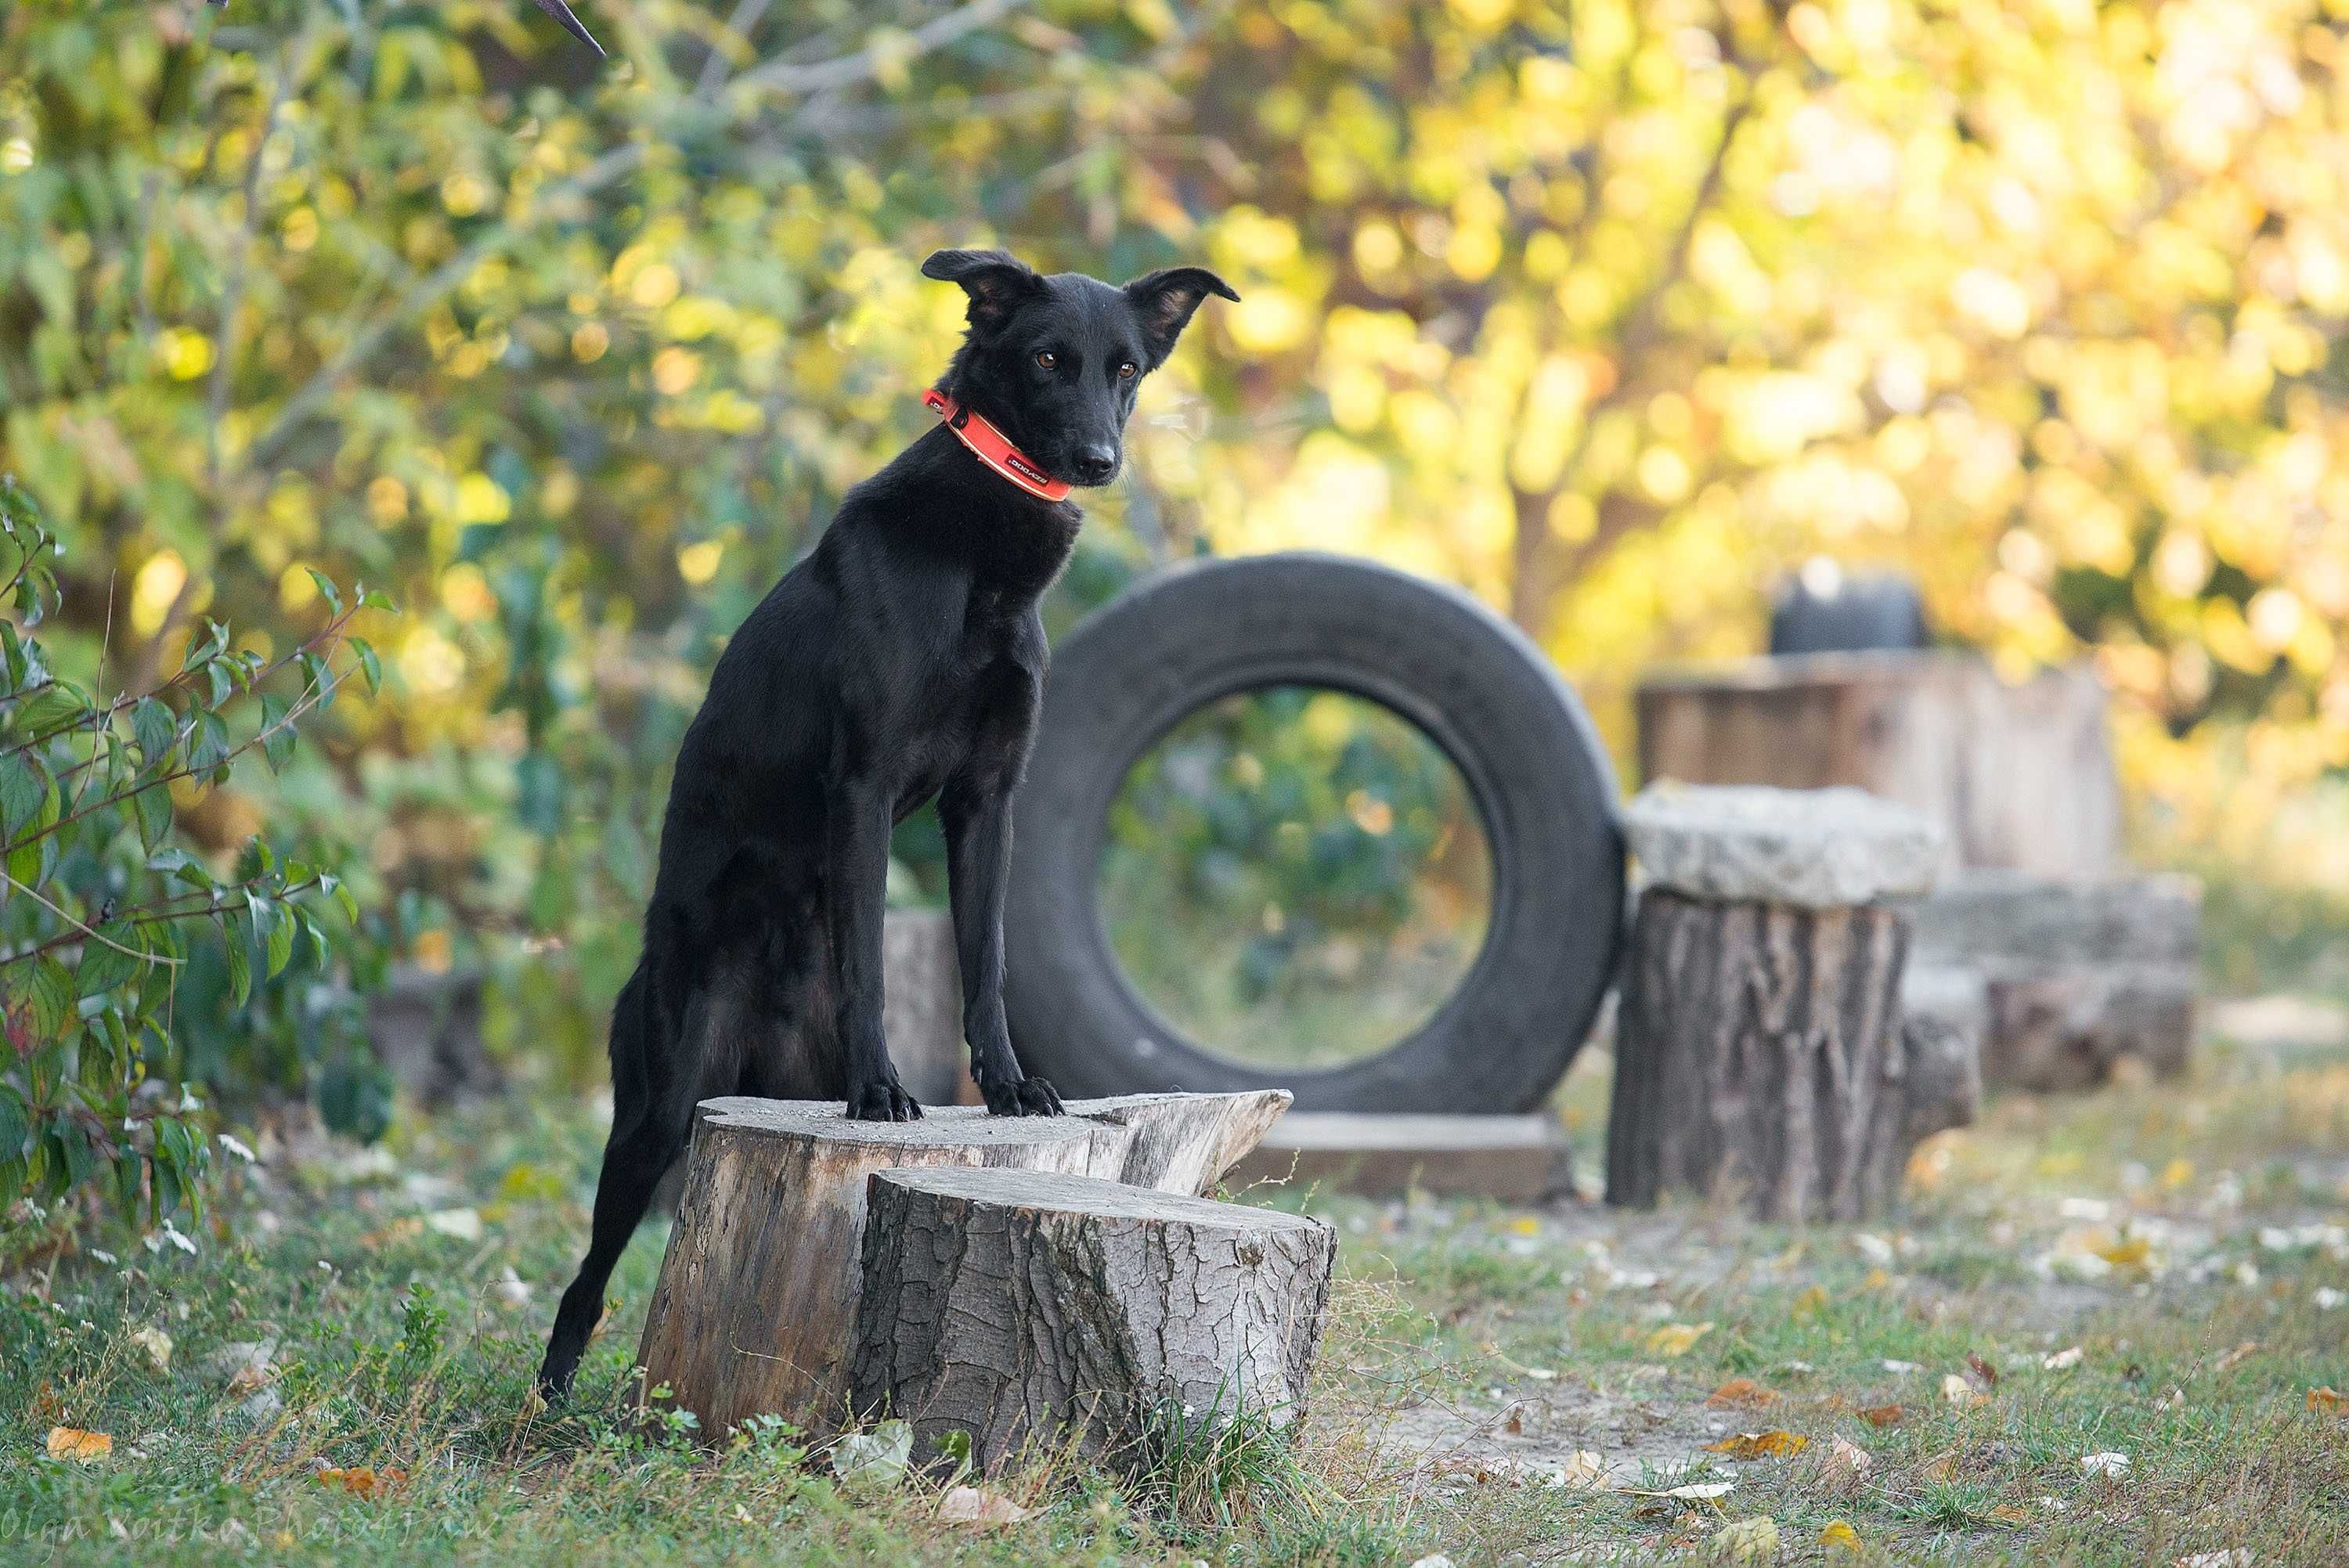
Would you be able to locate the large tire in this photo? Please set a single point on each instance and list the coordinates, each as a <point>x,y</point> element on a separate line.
<point>1533,764</point>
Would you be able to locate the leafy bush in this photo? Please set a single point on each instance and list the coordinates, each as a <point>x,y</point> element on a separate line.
<point>106,911</point>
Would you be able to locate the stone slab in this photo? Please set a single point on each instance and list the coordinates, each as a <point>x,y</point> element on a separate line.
<point>1817,848</point>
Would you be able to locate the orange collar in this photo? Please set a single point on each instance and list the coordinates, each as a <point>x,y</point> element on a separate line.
<point>994,448</point>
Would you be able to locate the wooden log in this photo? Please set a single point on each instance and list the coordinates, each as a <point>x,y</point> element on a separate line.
<point>2079,974</point>
<point>2016,775</point>
<point>1039,1314</point>
<point>757,1291</point>
<point>1761,1052</point>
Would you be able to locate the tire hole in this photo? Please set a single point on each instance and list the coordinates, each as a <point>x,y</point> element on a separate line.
<point>1294,878</point>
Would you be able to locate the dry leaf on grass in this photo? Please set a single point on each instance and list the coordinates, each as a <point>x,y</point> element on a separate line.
<point>1961,1393</point>
<point>2328,1400</point>
<point>2105,1464</point>
<point>977,1505</point>
<point>2010,1514</point>
<point>2234,1557</point>
<point>1846,1458</point>
<point>1746,1541</point>
<point>1812,1302</point>
<point>1769,1445</point>
<point>2238,1355</point>
<point>1840,1537</point>
<point>1882,1415</point>
<point>1583,1469</point>
<point>1677,1339</point>
<point>2063,1360</point>
<point>73,1443</point>
<point>1981,1370</point>
<point>1741,1394</point>
<point>158,1346</point>
<point>362,1481</point>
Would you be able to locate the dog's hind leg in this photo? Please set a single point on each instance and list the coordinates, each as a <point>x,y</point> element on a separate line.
<point>652,1117</point>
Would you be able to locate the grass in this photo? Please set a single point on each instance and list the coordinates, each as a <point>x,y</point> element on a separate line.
<point>2175,1234</point>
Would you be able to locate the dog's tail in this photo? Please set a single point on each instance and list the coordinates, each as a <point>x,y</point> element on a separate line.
<point>636,1036</point>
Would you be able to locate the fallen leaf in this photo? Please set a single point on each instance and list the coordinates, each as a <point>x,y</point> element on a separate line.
<point>73,1443</point>
<point>399,1230</point>
<point>1882,1415</point>
<point>1768,1445</point>
<point>362,1481</point>
<point>1584,1468</point>
<point>2130,1253</point>
<point>2238,1355</point>
<point>1876,1279</point>
<point>874,1459</point>
<point>1941,1467</point>
<point>1677,1339</point>
<point>1696,1491</point>
<point>1746,1541</point>
<point>977,1505</point>
<point>2234,1557</point>
<point>1846,1458</point>
<point>1902,1368</point>
<point>1840,1537</point>
<point>463,1225</point>
<point>1433,1559</point>
<point>2177,1174</point>
<point>1982,1369</point>
<point>2328,1400</point>
<point>1958,1392</point>
<point>1525,1225</point>
<point>2063,1360</point>
<point>2010,1514</point>
<point>1741,1394</point>
<point>158,1346</point>
<point>1812,1302</point>
<point>2106,1464</point>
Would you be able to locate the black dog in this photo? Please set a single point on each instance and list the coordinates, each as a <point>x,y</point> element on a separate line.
<point>903,658</point>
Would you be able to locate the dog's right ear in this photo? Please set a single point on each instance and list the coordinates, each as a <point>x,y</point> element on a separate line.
<point>997,281</point>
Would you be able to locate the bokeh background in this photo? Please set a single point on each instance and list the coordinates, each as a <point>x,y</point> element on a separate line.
<point>1611,312</point>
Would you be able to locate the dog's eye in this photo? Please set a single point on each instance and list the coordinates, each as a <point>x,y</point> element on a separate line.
<point>1127,371</point>
<point>1047,358</point>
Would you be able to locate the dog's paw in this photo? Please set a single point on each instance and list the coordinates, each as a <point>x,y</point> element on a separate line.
<point>885,1100</point>
<point>1021,1096</point>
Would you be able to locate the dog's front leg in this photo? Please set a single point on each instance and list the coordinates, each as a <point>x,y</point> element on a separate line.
<point>856,890</point>
<point>976,816</point>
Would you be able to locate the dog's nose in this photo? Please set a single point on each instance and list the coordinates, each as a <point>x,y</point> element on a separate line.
<point>1095,463</point>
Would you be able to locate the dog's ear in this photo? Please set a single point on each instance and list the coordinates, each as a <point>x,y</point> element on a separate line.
<point>997,281</point>
<point>1164,301</point>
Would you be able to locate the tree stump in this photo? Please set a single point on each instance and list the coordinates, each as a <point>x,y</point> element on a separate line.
<point>1760,1048</point>
<point>2016,775</point>
<point>757,1296</point>
<point>1039,1314</point>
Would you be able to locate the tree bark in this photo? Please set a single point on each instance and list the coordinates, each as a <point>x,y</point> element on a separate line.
<point>1040,1314</point>
<point>758,1292</point>
<point>1761,1055</point>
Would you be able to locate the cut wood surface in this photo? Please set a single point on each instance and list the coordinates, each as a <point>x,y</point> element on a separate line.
<point>1042,1313</point>
<point>758,1292</point>
<point>1760,1054</point>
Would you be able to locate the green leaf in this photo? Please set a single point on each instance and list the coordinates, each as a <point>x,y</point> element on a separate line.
<point>15,1124</point>
<point>54,997</point>
<point>104,963</point>
<point>16,663</point>
<point>52,708</point>
<point>210,745</point>
<point>341,893</point>
<point>156,729</point>
<point>276,735</point>
<point>281,942</point>
<point>369,665</point>
<point>327,589</point>
<point>153,806</point>
<point>215,639</point>
<point>23,784</point>
<point>240,966</point>
<point>376,598</point>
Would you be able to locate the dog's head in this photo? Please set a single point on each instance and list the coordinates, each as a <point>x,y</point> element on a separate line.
<point>1053,362</point>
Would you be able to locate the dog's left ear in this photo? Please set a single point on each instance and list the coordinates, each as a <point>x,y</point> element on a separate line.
<point>997,281</point>
<point>1164,300</point>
